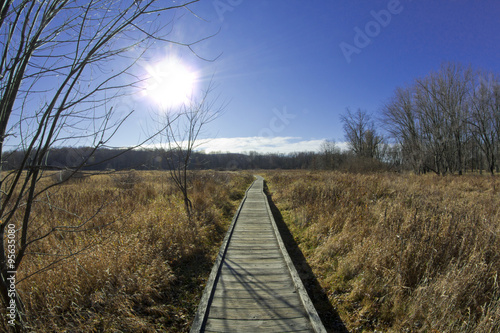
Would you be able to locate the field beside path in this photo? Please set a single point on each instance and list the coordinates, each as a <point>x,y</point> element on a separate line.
<point>145,265</point>
<point>399,252</point>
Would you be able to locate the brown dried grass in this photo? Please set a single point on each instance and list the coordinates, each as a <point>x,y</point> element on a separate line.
<point>399,253</point>
<point>147,268</point>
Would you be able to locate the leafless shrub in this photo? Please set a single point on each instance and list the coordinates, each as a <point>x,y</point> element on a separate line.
<point>127,180</point>
<point>67,175</point>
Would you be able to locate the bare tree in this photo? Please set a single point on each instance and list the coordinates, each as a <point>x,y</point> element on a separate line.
<point>181,134</point>
<point>63,63</point>
<point>360,133</point>
<point>401,122</point>
<point>485,117</point>
<point>429,119</point>
<point>442,106</point>
<point>331,155</point>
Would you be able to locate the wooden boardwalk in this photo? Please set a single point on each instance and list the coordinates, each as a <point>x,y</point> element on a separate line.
<point>254,286</point>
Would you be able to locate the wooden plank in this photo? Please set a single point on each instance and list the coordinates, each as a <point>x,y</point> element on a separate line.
<point>265,251</point>
<point>259,218</point>
<point>242,269</point>
<point>272,242</point>
<point>254,243</point>
<point>280,331</point>
<point>252,266</point>
<point>282,293</point>
<point>256,267</point>
<point>263,272</point>
<point>255,225</point>
<point>239,254</point>
<point>269,285</point>
<point>258,232</point>
<point>262,255</point>
<point>250,247</point>
<point>224,312</point>
<point>289,302</point>
<point>251,304</point>
<point>285,294</point>
<point>254,238</point>
<point>253,288</point>
<point>270,325</point>
<point>250,260</point>
<point>262,231</point>
<point>260,278</point>
<point>254,231</point>
<point>256,216</point>
<point>243,246</point>
<point>254,252</point>
<point>269,268</point>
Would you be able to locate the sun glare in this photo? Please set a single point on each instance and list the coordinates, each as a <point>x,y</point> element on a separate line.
<point>171,83</point>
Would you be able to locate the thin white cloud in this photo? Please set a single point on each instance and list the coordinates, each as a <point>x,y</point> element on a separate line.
<point>263,145</point>
<point>259,145</point>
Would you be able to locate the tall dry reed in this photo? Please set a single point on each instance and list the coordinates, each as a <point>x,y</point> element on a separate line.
<point>399,253</point>
<point>146,268</point>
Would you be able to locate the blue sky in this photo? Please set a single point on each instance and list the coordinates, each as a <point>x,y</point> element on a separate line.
<point>289,68</point>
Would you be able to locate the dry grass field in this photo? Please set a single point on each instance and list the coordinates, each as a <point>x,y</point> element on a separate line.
<point>146,268</point>
<point>399,253</point>
<point>394,253</point>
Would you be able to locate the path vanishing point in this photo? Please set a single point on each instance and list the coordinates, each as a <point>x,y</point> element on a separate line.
<point>253,286</point>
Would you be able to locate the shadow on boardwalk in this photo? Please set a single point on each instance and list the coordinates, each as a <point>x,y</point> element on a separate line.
<point>326,311</point>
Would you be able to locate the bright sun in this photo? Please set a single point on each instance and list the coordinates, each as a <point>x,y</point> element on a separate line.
<point>171,83</point>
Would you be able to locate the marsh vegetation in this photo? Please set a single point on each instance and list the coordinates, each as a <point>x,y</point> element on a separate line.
<point>396,252</point>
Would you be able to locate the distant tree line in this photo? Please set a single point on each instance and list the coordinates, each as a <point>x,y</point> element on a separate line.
<point>330,157</point>
<point>446,122</point>
<point>159,159</point>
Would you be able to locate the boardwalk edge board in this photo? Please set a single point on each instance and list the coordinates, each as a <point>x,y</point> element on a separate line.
<point>304,297</point>
<point>201,314</point>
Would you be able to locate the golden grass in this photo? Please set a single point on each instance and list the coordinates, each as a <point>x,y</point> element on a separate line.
<point>148,265</point>
<point>399,253</point>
